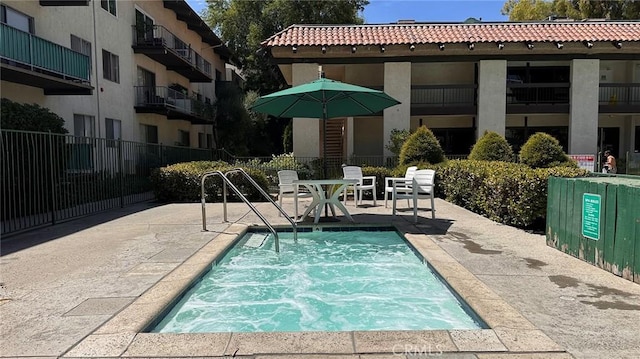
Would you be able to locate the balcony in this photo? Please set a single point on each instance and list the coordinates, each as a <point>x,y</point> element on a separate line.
<point>443,100</point>
<point>161,45</point>
<point>538,97</point>
<point>619,98</point>
<point>64,2</point>
<point>173,104</point>
<point>33,61</point>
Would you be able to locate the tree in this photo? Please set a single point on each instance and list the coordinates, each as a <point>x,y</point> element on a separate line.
<point>232,124</point>
<point>243,25</point>
<point>520,10</point>
<point>396,140</point>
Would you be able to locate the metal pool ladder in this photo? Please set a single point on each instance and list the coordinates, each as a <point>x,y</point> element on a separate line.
<point>225,182</point>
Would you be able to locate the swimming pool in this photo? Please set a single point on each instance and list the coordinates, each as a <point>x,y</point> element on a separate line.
<point>324,281</point>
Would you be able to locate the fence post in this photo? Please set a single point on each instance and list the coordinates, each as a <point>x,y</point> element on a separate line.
<point>52,193</point>
<point>121,172</point>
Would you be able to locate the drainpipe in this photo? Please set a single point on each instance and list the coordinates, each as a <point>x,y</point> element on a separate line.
<point>95,71</point>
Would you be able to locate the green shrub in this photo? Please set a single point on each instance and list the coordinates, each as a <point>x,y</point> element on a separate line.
<point>542,151</point>
<point>491,147</point>
<point>509,193</point>
<point>422,145</point>
<point>25,117</point>
<point>181,182</point>
<point>380,173</point>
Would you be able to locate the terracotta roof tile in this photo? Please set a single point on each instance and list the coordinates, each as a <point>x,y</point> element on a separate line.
<point>315,35</point>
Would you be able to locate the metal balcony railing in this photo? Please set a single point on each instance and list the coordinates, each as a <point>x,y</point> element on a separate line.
<point>159,36</point>
<point>444,95</point>
<point>620,94</point>
<point>29,51</point>
<point>538,93</point>
<point>147,96</point>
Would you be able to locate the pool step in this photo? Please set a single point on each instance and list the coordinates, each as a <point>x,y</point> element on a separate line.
<point>256,240</point>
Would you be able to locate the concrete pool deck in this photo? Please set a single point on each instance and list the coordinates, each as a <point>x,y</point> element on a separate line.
<point>86,288</point>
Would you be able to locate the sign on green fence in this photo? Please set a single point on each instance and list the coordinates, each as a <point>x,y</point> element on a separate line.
<point>591,205</point>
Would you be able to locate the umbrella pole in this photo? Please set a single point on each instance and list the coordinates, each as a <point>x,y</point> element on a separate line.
<point>324,154</point>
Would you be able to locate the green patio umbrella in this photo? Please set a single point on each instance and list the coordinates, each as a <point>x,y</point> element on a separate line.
<point>324,99</point>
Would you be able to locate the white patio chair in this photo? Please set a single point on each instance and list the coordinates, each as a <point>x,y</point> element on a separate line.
<point>422,187</point>
<point>355,172</point>
<point>287,189</point>
<point>388,184</point>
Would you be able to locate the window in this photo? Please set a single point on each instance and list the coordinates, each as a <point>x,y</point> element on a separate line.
<point>109,5</point>
<point>144,28</point>
<point>202,140</point>
<point>636,147</point>
<point>16,19</point>
<point>113,131</point>
<point>83,125</point>
<point>82,46</point>
<point>183,138</point>
<point>149,134</point>
<point>209,141</point>
<point>110,66</point>
<point>218,75</point>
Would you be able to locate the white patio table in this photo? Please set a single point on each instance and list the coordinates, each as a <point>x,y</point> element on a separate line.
<point>325,192</point>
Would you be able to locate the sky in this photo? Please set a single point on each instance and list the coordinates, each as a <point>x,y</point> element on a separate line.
<point>390,11</point>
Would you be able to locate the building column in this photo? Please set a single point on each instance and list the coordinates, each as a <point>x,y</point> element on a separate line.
<point>492,97</point>
<point>583,112</point>
<point>397,84</point>
<point>306,133</point>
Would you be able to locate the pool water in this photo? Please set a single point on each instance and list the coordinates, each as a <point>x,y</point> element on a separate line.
<point>324,281</point>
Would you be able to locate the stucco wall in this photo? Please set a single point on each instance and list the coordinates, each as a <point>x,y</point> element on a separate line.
<point>369,132</point>
<point>442,73</point>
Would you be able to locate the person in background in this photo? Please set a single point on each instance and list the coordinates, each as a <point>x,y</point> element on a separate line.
<point>610,164</point>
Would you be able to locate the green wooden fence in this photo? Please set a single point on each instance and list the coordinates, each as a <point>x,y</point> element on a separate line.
<point>616,245</point>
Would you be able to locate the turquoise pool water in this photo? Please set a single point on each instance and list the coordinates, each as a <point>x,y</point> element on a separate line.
<point>326,281</point>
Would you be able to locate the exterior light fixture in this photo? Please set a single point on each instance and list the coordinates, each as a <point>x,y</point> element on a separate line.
<point>588,44</point>
<point>530,45</point>
<point>617,44</point>
<point>353,49</point>
<point>441,47</point>
<point>412,47</point>
<point>559,45</point>
<point>294,48</point>
<point>500,45</point>
<point>382,48</point>
<point>471,46</point>
<point>324,49</point>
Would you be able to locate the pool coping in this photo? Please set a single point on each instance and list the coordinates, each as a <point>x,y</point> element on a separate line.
<point>122,335</point>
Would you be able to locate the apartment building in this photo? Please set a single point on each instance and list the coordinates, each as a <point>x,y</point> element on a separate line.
<point>141,71</point>
<point>579,81</point>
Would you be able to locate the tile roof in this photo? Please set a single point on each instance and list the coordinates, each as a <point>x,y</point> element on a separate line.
<point>335,35</point>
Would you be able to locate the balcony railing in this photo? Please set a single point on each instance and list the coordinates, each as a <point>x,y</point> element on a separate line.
<point>176,104</point>
<point>147,39</point>
<point>622,94</point>
<point>24,50</point>
<point>538,93</point>
<point>444,95</point>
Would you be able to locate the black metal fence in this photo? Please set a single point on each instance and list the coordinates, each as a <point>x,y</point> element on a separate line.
<point>48,178</point>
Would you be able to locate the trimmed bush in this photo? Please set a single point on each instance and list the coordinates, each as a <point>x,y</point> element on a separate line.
<point>181,182</point>
<point>380,173</point>
<point>422,145</point>
<point>26,117</point>
<point>509,193</point>
<point>543,151</point>
<point>492,147</point>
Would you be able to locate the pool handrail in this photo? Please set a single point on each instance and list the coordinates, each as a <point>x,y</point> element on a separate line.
<point>226,180</point>
<point>264,194</point>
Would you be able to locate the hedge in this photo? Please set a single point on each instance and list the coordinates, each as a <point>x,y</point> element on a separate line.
<point>509,193</point>
<point>181,182</point>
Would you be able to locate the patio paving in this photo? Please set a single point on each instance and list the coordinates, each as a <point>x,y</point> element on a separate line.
<point>69,290</point>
